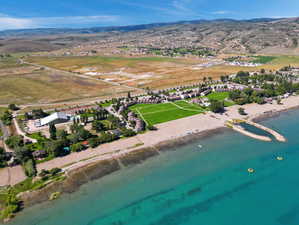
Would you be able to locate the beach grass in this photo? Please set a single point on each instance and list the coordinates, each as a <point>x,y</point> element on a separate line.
<point>164,112</point>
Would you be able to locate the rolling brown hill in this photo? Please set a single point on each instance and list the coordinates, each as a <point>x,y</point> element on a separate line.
<point>267,36</point>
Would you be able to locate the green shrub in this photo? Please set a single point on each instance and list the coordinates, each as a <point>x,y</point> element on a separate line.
<point>77,147</point>
<point>29,168</point>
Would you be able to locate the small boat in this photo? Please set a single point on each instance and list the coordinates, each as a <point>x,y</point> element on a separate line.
<point>279,158</point>
<point>250,170</point>
<point>200,146</point>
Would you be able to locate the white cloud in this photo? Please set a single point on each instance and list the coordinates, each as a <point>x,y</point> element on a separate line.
<point>14,23</point>
<point>7,22</point>
<point>179,8</point>
<point>183,7</point>
<point>221,12</point>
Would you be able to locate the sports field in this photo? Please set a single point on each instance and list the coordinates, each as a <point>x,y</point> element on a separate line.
<point>161,113</point>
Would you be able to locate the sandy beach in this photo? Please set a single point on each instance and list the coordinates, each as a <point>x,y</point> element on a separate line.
<point>166,132</point>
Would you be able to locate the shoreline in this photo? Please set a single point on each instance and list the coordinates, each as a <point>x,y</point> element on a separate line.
<point>98,168</point>
<point>112,159</point>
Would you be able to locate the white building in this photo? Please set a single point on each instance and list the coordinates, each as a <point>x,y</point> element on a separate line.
<point>57,117</point>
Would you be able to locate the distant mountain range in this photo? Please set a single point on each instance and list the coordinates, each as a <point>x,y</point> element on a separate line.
<point>92,30</point>
<point>264,35</point>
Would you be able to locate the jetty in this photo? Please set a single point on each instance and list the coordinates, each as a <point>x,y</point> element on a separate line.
<point>250,134</point>
<point>234,125</point>
<point>277,136</point>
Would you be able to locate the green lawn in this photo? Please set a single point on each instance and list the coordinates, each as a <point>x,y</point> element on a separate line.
<point>161,113</point>
<point>221,96</point>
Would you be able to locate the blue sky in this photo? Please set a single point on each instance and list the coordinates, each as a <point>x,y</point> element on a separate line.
<point>18,14</point>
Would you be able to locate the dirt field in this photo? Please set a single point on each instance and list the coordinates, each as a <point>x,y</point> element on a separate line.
<point>153,72</point>
<point>23,84</point>
<point>46,87</point>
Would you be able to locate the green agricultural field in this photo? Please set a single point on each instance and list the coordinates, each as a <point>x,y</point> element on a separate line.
<point>161,113</point>
<point>263,59</point>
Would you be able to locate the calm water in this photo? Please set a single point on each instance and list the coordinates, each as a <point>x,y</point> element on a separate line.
<point>192,186</point>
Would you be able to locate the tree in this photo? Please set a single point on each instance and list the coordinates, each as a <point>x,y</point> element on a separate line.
<point>14,141</point>
<point>94,142</point>
<point>217,106</point>
<point>38,113</point>
<point>73,138</point>
<point>151,127</point>
<point>78,147</point>
<point>242,111</point>
<point>55,148</point>
<point>222,78</point>
<point>22,154</point>
<point>107,137</point>
<point>233,95</point>
<point>27,116</point>
<point>61,134</point>
<point>98,126</point>
<point>52,131</point>
<point>3,158</point>
<point>30,168</point>
<point>83,134</point>
<point>13,107</point>
<point>7,118</point>
<point>242,74</point>
<point>128,132</point>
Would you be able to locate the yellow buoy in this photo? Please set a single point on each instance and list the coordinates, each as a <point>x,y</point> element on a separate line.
<point>279,158</point>
<point>250,170</point>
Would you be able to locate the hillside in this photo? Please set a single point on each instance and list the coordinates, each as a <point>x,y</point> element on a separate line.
<point>269,36</point>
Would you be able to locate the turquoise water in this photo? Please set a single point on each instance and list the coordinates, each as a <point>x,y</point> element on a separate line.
<point>256,130</point>
<point>192,186</point>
